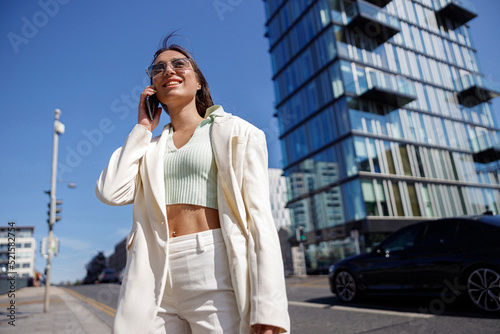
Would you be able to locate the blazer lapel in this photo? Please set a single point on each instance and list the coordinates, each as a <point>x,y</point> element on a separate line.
<point>222,131</point>
<point>154,166</point>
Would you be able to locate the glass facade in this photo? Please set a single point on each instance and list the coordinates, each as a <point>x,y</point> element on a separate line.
<point>384,117</point>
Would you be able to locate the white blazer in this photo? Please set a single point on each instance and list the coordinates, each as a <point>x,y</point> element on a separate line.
<point>135,175</point>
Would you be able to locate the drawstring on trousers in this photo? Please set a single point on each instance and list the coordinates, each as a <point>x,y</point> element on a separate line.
<point>200,245</point>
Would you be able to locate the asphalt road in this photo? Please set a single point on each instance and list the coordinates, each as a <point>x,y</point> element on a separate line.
<point>314,309</point>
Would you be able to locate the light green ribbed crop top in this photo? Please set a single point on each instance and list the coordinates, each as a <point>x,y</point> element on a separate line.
<point>190,171</point>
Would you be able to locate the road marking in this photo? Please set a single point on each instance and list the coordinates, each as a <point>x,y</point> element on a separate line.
<point>105,308</point>
<point>314,283</point>
<point>306,304</point>
<point>361,310</point>
<point>384,312</point>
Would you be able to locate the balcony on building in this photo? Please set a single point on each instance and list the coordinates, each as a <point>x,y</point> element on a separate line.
<point>372,21</point>
<point>387,88</point>
<point>486,148</point>
<point>473,90</point>
<point>460,11</point>
<point>379,3</point>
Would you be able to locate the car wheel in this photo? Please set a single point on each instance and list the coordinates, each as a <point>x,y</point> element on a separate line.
<point>483,287</point>
<point>345,286</point>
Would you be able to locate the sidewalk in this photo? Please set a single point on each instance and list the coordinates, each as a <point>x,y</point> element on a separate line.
<point>67,314</point>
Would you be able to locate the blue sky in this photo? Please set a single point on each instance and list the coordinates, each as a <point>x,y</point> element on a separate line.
<point>88,60</point>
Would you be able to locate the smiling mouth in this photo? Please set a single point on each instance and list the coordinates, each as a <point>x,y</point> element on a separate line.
<point>171,83</point>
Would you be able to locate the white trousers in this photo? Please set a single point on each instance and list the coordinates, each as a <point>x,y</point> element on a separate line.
<point>199,298</point>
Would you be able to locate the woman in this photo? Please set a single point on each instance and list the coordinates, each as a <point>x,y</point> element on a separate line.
<point>203,253</point>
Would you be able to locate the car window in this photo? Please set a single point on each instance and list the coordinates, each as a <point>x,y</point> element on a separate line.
<point>440,233</point>
<point>403,239</point>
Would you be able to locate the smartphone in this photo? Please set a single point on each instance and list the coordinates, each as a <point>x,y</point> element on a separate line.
<point>152,103</point>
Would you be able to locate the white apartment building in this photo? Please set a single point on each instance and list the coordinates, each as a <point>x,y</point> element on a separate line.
<point>277,194</point>
<point>25,247</point>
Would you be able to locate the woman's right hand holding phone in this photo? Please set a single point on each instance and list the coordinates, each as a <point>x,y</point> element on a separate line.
<point>143,117</point>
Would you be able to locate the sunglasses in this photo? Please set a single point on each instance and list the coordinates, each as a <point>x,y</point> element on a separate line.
<point>178,65</point>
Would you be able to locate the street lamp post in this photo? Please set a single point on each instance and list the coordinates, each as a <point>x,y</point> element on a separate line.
<point>58,129</point>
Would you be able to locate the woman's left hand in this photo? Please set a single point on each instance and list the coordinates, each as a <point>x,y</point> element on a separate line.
<point>265,329</point>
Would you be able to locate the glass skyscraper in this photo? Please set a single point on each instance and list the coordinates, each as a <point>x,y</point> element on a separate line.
<point>384,118</point>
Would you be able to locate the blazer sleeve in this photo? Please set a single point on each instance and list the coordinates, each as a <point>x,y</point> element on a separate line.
<point>119,180</point>
<point>269,304</point>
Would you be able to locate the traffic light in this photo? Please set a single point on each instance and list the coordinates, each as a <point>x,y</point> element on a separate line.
<point>58,210</point>
<point>300,234</point>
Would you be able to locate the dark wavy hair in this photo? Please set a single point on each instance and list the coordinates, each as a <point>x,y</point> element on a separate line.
<point>203,96</point>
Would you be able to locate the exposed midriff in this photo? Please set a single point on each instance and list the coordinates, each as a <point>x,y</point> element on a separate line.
<point>187,219</point>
